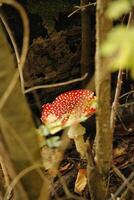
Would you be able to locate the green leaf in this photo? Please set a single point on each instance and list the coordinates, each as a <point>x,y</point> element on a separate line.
<point>117,8</point>
<point>119,47</point>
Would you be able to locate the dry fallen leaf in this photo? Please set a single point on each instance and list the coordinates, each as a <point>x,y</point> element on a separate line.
<point>66,168</point>
<point>119,151</point>
<point>81,181</point>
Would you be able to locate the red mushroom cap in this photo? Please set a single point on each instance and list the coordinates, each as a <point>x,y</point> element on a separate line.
<point>68,108</point>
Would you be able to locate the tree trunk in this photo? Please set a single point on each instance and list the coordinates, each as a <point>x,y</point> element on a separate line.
<point>103,149</point>
<point>103,91</point>
<point>85,40</point>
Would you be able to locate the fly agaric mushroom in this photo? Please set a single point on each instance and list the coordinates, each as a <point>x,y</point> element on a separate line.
<point>68,110</point>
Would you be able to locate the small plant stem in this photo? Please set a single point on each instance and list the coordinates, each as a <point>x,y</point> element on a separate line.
<point>117,92</point>
<point>116,100</point>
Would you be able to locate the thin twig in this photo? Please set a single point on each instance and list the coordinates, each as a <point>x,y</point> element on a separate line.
<point>24,51</point>
<point>11,170</point>
<point>9,89</point>
<point>15,49</point>
<point>126,94</point>
<point>116,100</point>
<point>123,124</point>
<point>56,84</point>
<point>119,174</point>
<point>14,182</point>
<point>4,171</point>
<point>81,8</point>
<point>21,143</point>
<point>66,190</point>
<point>35,166</point>
<point>122,187</point>
<point>10,36</point>
<point>18,58</point>
<point>127,194</point>
<point>126,104</point>
<point>117,92</point>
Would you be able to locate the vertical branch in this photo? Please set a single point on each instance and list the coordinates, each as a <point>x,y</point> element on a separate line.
<point>103,90</point>
<point>24,50</point>
<point>117,91</point>
<point>116,100</point>
<point>85,39</point>
<point>103,149</point>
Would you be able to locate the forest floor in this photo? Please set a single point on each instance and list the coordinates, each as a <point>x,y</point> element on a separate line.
<point>56,60</point>
<point>123,163</point>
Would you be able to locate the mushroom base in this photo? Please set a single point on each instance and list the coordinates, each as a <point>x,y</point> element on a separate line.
<point>76,132</point>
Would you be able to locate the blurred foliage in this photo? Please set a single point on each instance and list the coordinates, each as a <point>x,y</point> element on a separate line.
<point>119,45</point>
<point>51,142</point>
<point>119,7</point>
<point>17,129</point>
<point>119,48</point>
<point>48,9</point>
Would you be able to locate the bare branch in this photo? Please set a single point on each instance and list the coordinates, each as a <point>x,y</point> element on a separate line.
<point>35,166</point>
<point>24,51</point>
<point>81,8</point>
<point>126,94</point>
<point>56,84</point>
<point>15,49</point>
<point>122,187</point>
<point>126,104</point>
<point>117,92</point>
<point>119,174</point>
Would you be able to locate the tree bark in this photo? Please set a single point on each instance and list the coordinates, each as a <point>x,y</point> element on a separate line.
<point>103,91</point>
<point>103,148</point>
<point>85,40</point>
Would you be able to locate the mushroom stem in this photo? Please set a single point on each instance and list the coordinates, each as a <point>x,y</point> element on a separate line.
<point>81,146</point>
<point>76,132</point>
